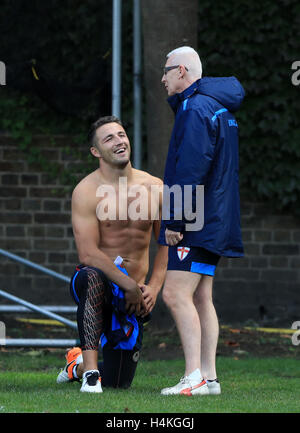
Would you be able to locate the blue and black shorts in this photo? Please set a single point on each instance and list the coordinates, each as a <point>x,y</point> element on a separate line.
<point>192,259</point>
<point>92,292</point>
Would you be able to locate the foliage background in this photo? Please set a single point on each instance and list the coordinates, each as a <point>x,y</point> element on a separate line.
<point>71,43</point>
<point>258,42</point>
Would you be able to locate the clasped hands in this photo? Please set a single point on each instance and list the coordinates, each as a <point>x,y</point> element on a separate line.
<point>140,300</point>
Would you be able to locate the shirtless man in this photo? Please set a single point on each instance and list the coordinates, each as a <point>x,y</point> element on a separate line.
<point>100,241</point>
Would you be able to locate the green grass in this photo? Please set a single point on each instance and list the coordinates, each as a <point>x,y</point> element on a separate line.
<point>249,385</point>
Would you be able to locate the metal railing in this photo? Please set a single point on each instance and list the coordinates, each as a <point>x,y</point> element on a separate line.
<point>44,310</point>
<point>8,308</point>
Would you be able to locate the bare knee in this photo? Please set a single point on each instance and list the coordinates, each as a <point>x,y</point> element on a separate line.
<point>203,294</point>
<point>202,298</point>
<point>173,297</point>
<point>177,299</point>
<point>179,289</point>
<point>169,297</point>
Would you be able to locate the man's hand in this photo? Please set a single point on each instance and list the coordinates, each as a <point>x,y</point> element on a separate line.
<point>149,295</point>
<point>134,300</point>
<point>172,238</point>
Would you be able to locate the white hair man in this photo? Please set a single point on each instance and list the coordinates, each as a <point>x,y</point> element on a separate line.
<point>203,151</point>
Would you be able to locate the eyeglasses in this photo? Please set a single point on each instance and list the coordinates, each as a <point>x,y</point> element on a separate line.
<point>169,68</point>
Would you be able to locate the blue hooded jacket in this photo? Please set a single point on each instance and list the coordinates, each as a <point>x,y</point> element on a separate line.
<point>204,151</point>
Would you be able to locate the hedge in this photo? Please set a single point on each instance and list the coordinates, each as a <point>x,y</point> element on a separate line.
<point>255,41</point>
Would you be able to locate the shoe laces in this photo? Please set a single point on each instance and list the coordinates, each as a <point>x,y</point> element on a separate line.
<point>184,380</point>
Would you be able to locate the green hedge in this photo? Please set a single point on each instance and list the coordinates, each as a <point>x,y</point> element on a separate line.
<point>258,42</point>
<point>255,41</point>
<point>70,43</point>
<point>66,40</point>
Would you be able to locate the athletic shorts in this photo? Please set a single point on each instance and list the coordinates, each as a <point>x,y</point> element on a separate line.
<point>117,367</point>
<point>192,259</point>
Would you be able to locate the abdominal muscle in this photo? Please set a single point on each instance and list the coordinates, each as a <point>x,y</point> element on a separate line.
<point>131,242</point>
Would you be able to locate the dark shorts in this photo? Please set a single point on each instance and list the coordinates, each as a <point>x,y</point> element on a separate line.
<point>117,367</point>
<point>192,259</point>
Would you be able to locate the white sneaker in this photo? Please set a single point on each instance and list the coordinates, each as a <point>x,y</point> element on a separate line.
<point>63,376</point>
<point>186,386</point>
<point>214,386</point>
<point>73,357</point>
<point>91,381</point>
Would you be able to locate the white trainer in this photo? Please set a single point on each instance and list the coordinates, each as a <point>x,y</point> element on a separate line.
<point>73,357</point>
<point>91,381</point>
<point>214,386</point>
<point>63,376</point>
<point>186,386</point>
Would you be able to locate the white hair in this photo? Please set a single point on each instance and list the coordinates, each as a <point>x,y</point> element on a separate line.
<point>182,50</point>
<point>191,60</point>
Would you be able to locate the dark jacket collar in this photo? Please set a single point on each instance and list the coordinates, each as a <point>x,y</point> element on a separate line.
<point>175,100</point>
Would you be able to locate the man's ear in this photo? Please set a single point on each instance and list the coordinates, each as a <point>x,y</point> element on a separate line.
<point>95,152</point>
<point>182,71</point>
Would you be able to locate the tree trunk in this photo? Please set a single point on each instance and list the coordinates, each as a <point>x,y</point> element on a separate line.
<point>166,25</point>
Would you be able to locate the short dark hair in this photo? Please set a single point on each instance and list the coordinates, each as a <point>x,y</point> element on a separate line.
<point>101,121</point>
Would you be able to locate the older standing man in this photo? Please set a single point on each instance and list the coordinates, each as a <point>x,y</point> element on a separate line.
<point>203,151</point>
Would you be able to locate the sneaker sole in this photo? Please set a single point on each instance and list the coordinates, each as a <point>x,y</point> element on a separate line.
<point>92,389</point>
<point>214,391</point>
<point>214,387</point>
<point>201,389</point>
<point>168,393</point>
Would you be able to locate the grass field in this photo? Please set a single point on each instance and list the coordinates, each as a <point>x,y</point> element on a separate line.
<point>249,385</point>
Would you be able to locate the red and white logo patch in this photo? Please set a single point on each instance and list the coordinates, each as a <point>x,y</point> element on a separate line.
<point>182,252</point>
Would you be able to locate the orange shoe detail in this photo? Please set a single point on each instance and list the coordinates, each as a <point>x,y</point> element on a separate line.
<point>70,370</point>
<point>71,357</point>
<point>72,354</point>
<point>188,391</point>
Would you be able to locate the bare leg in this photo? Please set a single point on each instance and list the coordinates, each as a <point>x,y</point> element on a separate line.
<point>80,370</point>
<point>209,326</point>
<point>178,294</point>
<point>90,360</point>
<point>90,317</point>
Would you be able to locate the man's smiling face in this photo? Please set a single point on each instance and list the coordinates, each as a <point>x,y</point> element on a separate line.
<point>113,144</point>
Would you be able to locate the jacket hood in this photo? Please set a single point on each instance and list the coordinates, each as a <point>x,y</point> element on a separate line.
<point>228,91</point>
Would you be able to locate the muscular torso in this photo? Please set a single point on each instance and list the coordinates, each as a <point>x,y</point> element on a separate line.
<point>131,242</point>
<point>124,235</point>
